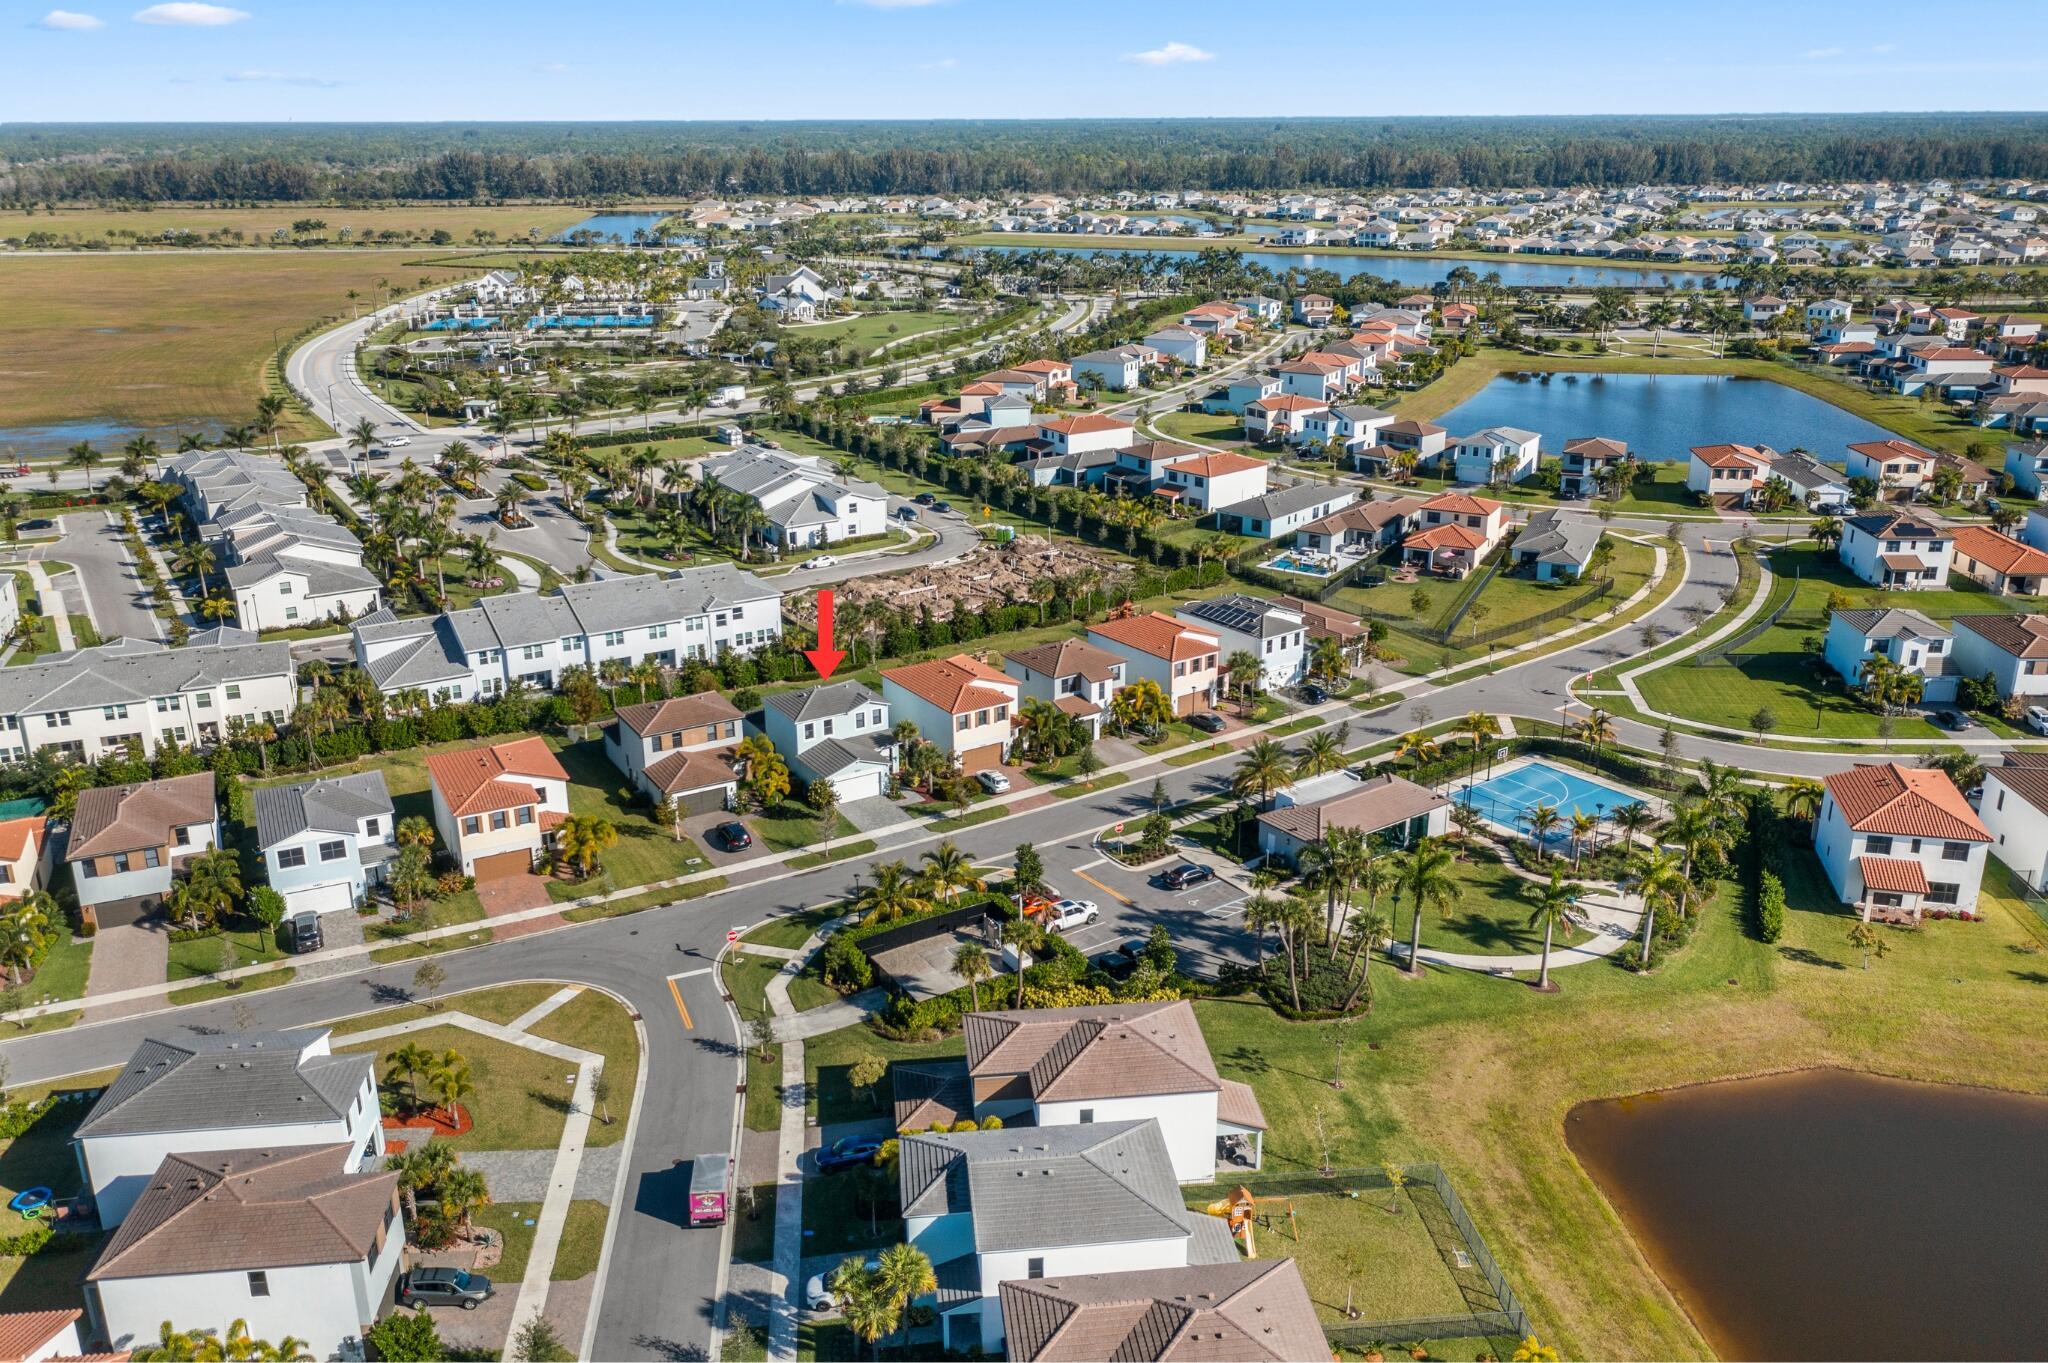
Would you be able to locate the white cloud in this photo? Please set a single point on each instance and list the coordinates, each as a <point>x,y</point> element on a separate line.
<point>1821,54</point>
<point>942,64</point>
<point>1169,54</point>
<point>190,14</point>
<point>279,78</point>
<point>69,19</point>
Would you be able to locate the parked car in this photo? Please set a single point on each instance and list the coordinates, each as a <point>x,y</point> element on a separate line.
<point>906,513</point>
<point>1955,721</point>
<point>822,561</point>
<point>302,932</point>
<point>39,523</point>
<point>816,1298</point>
<point>1208,721</point>
<point>1313,694</point>
<point>994,782</point>
<point>1185,876</point>
<point>1071,913</point>
<point>377,454</point>
<point>1114,964</point>
<point>399,442</point>
<point>733,837</point>
<point>443,1287</point>
<point>926,499</point>
<point>942,506</point>
<point>846,1153</point>
<point>2037,719</point>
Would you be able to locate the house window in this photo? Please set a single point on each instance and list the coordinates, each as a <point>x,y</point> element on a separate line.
<point>614,637</point>
<point>1033,1268</point>
<point>370,828</point>
<point>499,819</point>
<point>291,612</point>
<point>333,851</point>
<point>532,651</point>
<point>150,857</point>
<point>1940,893</point>
<point>259,1283</point>
<point>571,643</point>
<point>1955,851</point>
<point>1878,846</point>
<point>526,813</point>
<point>963,724</point>
<point>810,731</point>
<point>828,728</point>
<point>120,863</point>
<point>472,824</point>
<point>204,700</point>
<point>114,712</point>
<point>289,857</point>
<point>90,868</point>
<point>182,836</point>
<point>657,632</point>
<point>1087,1116</point>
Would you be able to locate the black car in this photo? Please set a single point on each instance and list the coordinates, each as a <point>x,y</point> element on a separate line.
<point>1208,721</point>
<point>1313,694</point>
<point>1187,874</point>
<point>733,837</point>
<point>925,499</point>
<point>942,506</point>
<point>39,523</point>
<point>443,1287</point>
<point>1114,964</point>
<point>302,932</point>
<point>847,1152</point>
<point>1953,720</point>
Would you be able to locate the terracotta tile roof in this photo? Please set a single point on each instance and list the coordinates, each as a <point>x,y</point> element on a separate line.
<point>1204,1313</point>
<point>1042,367</point>
<point>226,1211</point>
<point>1995,551</point>
<point>1066,658</point>
<point>679,773</point>
<point>683,712</point>
<point>1374,515</point>
<point>1162,636</point>
<point>1461,504</point>
<point>2025,775</point>
<point>1882,450</point>
<point>1731,456</point>
<point>2023,636</point>
<point>1081,425</point>
<point>1112,1050</point>
<point>1596,447</point>
<point>127,818</point>
<point>23,1333</point>
<point>1220,463</point>
<point>551,818</point>
<point>18,836</point>
<point>1446,537</point>
<point>1945,352</point>
<point>1914,802</point>
<point>956,684</point>
<point>1892,873</point>
<point>1290,402</point>
<point>471,780</point>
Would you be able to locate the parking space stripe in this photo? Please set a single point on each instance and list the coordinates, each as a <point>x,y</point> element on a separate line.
<point>1117,895</point>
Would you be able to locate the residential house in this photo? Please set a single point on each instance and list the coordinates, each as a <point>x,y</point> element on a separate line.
<point>216,482</point>
<point>42,1336</point>
<point>1209,482</point>
<point>1314,309</point>
<point>24,856</point>
<point>1284,510</point>
<point>1763,309</point>
<point>1087,432</point>
<point>989,1207</point>
<point>291,1241</point>
<point>1496,455</point>
<point>1426,438</point>
<point>678,749</point>
<point>1238,394</point>
<point>1888,549</point>
<point>1266,311</point>
<point>1584,461</point>
<point>1390,811</point>
<point>1181,344</point>
<point>1118,369</point>
<point>1898,841</point>
<point>221,1090</point>
<point>1211,319</point>
<point>1184,659</point>
<point>803,502</point>
<point>961,704</point>
<point>287,568</point>
<point>1362,528</point>
<point>1809,482</point>
<point>1825,312</point>
<point>1280,416</point>
<point>529,638</point>
<point>1139,470</point>
<point>1273,633</point>
<point>1327,622</point>
<point>2011,649</point>
<point>325,843</point>
<point>126,841</point>
<point>837,732</point>
<point>1912,643</point>
<point>2001,563</point>
<point>497,807</point>
<point>1323,378</point>
<point>1255,1310</point>
<point>1455,531</point>
<point>1892,464</point>
<point>1973,480</point>
<point>1556,545</point>
<point>136,695</point>
<point>1349,427</point>
<point>2028,465</point>
<point>1731,471</point>
<point>1072,674</point>
<point>2014,808</point>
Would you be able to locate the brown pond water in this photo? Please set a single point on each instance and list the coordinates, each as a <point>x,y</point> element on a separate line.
<point>1832,1215</point>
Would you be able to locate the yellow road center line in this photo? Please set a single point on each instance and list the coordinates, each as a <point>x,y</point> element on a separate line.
<point>675,990</point>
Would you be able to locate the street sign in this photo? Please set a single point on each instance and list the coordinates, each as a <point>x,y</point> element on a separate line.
<point>732,934</point>
<point>1118,829</point>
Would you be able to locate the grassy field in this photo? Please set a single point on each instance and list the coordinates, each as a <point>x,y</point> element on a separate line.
<point>167,340</point>
<point>647,850</point>
<point>872,329</point>
<point>1491,917</point>
<point>1777,671</point>
<point>1220,429</point>
<point>254,226</point>
<point>581,1246</point>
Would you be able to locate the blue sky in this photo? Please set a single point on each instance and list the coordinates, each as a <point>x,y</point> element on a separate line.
<point>689,59</point>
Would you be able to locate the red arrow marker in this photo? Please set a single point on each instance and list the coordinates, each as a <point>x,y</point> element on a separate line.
<point>824,657</point>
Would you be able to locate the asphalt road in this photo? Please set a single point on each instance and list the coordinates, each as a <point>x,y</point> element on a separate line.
<point>116,597</point>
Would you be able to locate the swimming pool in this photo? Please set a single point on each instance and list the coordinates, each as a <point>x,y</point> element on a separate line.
<point>1507,798</point>
<point>1287,563</point>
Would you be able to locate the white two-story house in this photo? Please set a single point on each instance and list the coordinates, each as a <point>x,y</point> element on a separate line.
<point>289,568</point>
<point>1072,674</point>
<point>325,843</point>
<point>1909,640</point>
<point>1273,633</point>
<point>1184,659</point>
<point>804,503</point>
<point>1496,455</point>
<point>497,807</point>
<point>1898,552</point>
<point>1897,841</point>
<point>838,732</point>
<point>2013,649</point>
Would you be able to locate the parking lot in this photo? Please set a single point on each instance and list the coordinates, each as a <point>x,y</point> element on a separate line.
<point>1206,921</point>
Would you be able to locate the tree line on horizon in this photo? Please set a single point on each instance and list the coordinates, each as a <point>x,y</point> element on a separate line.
<point>440,162</point>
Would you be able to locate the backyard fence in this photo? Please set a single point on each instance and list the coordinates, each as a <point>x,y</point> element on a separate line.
<point>1495,1310</point>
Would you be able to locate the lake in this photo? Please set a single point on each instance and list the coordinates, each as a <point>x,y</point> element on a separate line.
<point>1662,416</point>
<point>105,436</point>
<point>1420,271</point>
<point>1828,1214</point>
<point>618,226</point>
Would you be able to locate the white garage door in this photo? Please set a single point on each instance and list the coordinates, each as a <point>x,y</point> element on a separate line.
<point>321,898</point>
<point>857,786</point>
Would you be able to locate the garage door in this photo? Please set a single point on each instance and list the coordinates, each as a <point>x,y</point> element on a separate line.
<point>503,864</point>
<point>1191,703</point>
<point>982,758</point>
<point>321,898</point>
<point>861,786</point>
<point>705,801</point>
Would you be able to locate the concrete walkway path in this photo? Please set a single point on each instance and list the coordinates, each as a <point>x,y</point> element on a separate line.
<point>1605,914</point>
<point>55,610</point>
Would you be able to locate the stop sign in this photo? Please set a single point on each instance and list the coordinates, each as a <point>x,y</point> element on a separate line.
<point>732,934</point>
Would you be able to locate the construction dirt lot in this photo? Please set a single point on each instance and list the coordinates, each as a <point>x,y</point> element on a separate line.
<point>999,573</point>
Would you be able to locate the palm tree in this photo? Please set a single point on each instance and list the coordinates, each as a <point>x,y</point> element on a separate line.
<point>1543,821</point>
<point>1480,728</point>
<point>362,437</point>
<point>894,894</point>
<point>195,558</point>
<point>1584,826</point>
<point>1803,798</point>
<point>1416,747</point>
<point>948,870</point>
<point>1242,670</point>
<point>1023,935</point>
<point>1423,874</point>
<point>1369,931</point>
<point>970,963</point>
<point>461,1192</point>
<point>1693,828</point>
<point>865,1305</point>
<point>1549,906</point>
<point>415,830</point>
<point>584,839</point>
<point>418,1169</point>
<point>411,1060</point>
<point>451,1083</point>
<point>1264,769</point>
<point>1595,729</point>
<point>1320,754</point>
<point>1659,880</point>
<point>904,1273</point>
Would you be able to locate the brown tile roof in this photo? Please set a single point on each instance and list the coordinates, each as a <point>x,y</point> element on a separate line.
<point>1913,802</point>
<point>956,684</point>
<point>1731,456</point>
<point>683,712</point>
<point>1113,1050</point>
<point>1596,447</point>
<point>1322,619</point>
<point>1461,504</point>
<point>1080,425</point>
<point>1162,636</point>
<point>1882,450</point>
<point>1238,1105</point>
<point>1413,428</point>
<point>1903,563</point>
<point>1220,463</point>
<point>1290,402</point>
<point>1042,367</point>
<point>16,837</point>
<point>470,779</point>
<point>126,818</point>
<point>1066,658</point>
<point>1892,873</point>
<point>1999,552</point>
<point>928,1095</point>
<point>2025,775</point>
<point>23,1333</point>
<point>225,1211</point>
<point>1446,537</point>
<point>679,773</point>
<point>1205,1313</point>
<point>2023,636</point>
<point>1372,515</point>
<point>1380,802</point>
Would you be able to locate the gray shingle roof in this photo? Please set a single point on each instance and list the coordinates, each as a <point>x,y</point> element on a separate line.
<point>1042,1187</point>
<point>834,755</point>
<point>213,1082</point>
<point>136,669</point>
<point>1288,500</point>
<point>1552,537</point>
<point>336,805</point>
<point>820,702</point>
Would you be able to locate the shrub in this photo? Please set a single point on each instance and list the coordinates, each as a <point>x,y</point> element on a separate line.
<point>1770,908</point>
<point>1325,985</point>
<point>846,967</point>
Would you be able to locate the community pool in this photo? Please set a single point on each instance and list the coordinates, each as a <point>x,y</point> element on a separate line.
<point>460,324</point>
<point>579,320</point>
<point>1507,797</point>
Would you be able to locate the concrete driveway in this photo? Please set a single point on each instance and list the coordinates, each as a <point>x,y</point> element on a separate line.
<point>115,596</point>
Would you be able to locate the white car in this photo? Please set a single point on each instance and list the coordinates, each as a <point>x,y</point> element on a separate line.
<point>2037,719</point>
<point>821,561</point>
<point>1071,913</point>
<point>994,782</point>
<point>399,441</point>
<point>816,1298</point>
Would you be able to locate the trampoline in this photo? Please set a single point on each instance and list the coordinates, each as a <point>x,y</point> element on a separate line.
<point>1507,798</point>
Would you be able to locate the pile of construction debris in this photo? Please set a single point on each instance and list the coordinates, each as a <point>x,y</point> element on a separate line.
<point>998,573</point>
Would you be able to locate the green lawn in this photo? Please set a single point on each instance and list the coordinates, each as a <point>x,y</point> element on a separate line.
<point>828,1058</point>
<point>753,1227</point>
<point>791,931</point>
<point>1491,916</point>
<point>202,957</point>
<point>790,826</point>
<point>1219,429</point>
<point>838,1221</point>
<point>764,1086</point>
<point>521,1098</point>
<point>63,972</point>
<point>220,989</point>
<point>1780,669</point>
<point>869,330</point>
<point>594,1021</point>
<point>647,851</point>
<point>576,1255</point>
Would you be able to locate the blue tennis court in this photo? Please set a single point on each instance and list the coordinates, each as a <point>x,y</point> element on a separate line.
<point>1506,799</point>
